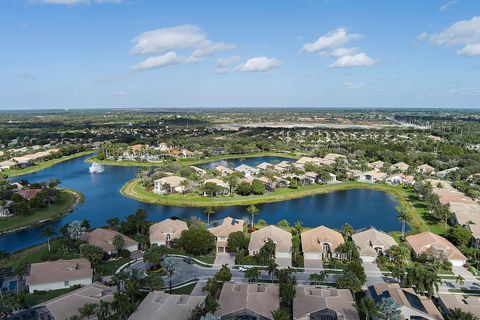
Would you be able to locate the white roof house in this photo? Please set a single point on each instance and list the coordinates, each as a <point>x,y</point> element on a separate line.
<point>247,170</point>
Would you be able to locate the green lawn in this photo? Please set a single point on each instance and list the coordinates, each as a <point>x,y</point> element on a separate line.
<point>33,299</point>
<point>43,165</point>
<point>62,205</point>
<point>184,290</point>
<point>109,268</point>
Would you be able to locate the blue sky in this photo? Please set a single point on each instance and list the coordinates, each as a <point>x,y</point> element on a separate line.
<point>249,53</point>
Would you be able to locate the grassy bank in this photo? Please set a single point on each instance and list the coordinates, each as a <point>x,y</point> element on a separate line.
<point>190,162</point>
<point>65,202</point>
<point>405,197</point>
<point>43,165</point>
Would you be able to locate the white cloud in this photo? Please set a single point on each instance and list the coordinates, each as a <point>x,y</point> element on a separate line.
<point>469,50</point>
<point>167,59</point>
<point>224,63</point>
<point>340,52</point>
<point>422,36</point>
<point>356,60</point>
<point>169,40</point>
<point>464,33</point>
<point>74,2</point>
<point>258,64</point>
<point>447,5</point>
<point>330,40</point>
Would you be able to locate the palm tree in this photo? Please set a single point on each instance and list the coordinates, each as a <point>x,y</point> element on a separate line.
<point>272,268</point>
<point>103,310</point>
<point>48,232</point>
<point>460,280</point>
<point>118,242</point>
<point>347,231</point>
<point>459,314</point>
<point>252,274</point>
<point>368,307</point>
<point>113,223</point>
<point>87,310</point>
<point>253,211</point>
<point>403,217</point>
<point>209,211</point>
<point>297,228</point>
<point>185,184</point>
<point>170,265</point>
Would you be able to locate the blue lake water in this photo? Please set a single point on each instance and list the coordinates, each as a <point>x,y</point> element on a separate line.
<point>359,207</point>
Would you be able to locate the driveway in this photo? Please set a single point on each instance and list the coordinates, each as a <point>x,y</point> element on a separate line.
<point>224,258</point>
<point>283,262</point>
<point>374,275</point>
<point>313,264</point>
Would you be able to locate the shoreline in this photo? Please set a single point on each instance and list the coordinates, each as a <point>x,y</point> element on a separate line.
<point>190,162</point>
<point>44,165</point>
<point>132,189</point>
<point>78,198</point>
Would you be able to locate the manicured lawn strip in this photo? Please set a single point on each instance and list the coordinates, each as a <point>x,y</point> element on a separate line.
<point>184,290</point>
<point>66,200</point>
<point>33,299</point>
<point>109,268</point>
<point>44,164</point>
<point>195,161</point>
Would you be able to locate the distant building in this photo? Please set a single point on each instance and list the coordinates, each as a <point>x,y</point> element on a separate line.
<point>399,166</point>
<point>425,169</point>
<point>324,303</point>
<point>169,184</point>
<point>224,171</point>
<point>248,301</point>
<point>223,230</point>
<point>161,233</point>
<point>372,176</point>
<point>246,170</point>
<point>377,165</point>
<point>224,187</point>
<point>60,274</point>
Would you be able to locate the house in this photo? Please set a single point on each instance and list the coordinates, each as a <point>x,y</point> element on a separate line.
<point>159,305</point>
<point>333,157</point>
<point>246,170</point>
<point>281,238</point>
<point>400,179</point>
<point>224,171</point>
<point>371,243</point>
<point>377,165</point>
<point>5,208</point>
<point>60,274</point>
<point>425,169</point>
<point>248,301</point>
<point>412,305</point>
<point>103,238</point>
<point>284,164</point>
<point>66,306</point>
<point>444,173</point>
<point>320,243</point>
<point>8,164</point>
<point>198,170</point>
<point>224,189</point>
<point>475,229</point>
<point>372,176</point>
<point>425,240</point>
<point>265,166</point>
<point>28,194</point>
<point>223,230</point>
<point>465,213</point>
<point>161,233</point>
<point>448,301</point>
<point>399,166</point>
<point>170,184</point>
<point>323,303</point>
<point>354,174</point>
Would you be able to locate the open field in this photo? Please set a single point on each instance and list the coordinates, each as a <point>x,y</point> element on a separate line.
<point>43,165</point>
<point>65,202</point>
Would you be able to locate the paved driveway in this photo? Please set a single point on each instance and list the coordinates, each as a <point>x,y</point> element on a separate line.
<point>313,264</point>
<point>224,258</point>
<point>283,262</point>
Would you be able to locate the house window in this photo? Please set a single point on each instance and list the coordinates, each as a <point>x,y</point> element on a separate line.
<point>168,236</point>
<point>326,247</point>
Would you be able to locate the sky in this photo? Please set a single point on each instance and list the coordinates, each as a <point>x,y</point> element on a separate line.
<point>248,53</point>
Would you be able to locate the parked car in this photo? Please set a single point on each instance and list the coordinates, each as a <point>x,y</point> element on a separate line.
<point>188,260</point>
<point>242,268</point>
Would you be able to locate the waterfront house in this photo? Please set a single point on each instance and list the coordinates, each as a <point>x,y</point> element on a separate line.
<point>449,301</point>
<point>400,179</point>
<point>161,233</point>
<point>425,169</point>
<point>423,241</point>
<point>246,170</point>
<point>60,274</point>
<point>28,194</point>
<point>285,165</point>
<point>159,305</point>
<point>377,165</point>
<point>103,238</point>
<point>281,238</point>
<point>66,306</point>
<point>265,166</point>
<point>399,166</point>
<point>248,301</point>
<point>169,184</point>
<point>323,303</point>
<point>224,171</point>
<point>223,230</point>
<point>371,243</point>
<point>372,176</point>
<point>224,187</point>
<point>412,305</point>
<point>320,243</point>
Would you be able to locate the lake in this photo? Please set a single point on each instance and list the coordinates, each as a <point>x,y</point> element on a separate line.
<point>103,200</point>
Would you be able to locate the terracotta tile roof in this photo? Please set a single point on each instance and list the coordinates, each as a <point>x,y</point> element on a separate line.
<point>422,241</point>
<point>228,226</point>
<point>173,181</point>
<point>159,230</point>
<point>60,270</point>
<point>312,239</point>
<point>282,238</point>
<point>468,304</point>
<point>29,194</point>
<point>103,238</point>
<point>369,239</point>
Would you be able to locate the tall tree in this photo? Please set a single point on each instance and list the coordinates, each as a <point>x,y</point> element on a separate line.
<point>48,232</point>
<point>118,242</point>
<point>252,210</point>
<point>209,211</point>
<point>171,265</point>
<point>368,307</point>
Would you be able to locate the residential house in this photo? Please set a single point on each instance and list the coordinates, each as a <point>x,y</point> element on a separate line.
<point>60,274</point>
<point>377,165</point>
<point>284,164</point>
<point>224,189</point>
<point>224,171</point>
<point>223,230</point>
<point>161,233</point>
<point>7,164</point>
<point>248,301</point>
<point>444,173</point>
<point>423,241</point>
<point>198,170</point>
<point>334,156</point>
<point>265,166</point>
<point>320,243</point>
<point>412,305</point>
<point>465,213</point>
<point>28,194</point>
<point>475,229</point>
<point>170,184</point>
<point>399,166</point>
<point>400,179</point>
<point>66,306</point>
<point>372,176</point>
<point>449,301</point>
<point>281,238</point>
<point>159,305</point>
<point>425,169</point>
<point>103,238</point>
<point>304,160</point>
<point>323,303</point>
<point>247,170</point>
<point>5,208</point>
<point>371,243</point>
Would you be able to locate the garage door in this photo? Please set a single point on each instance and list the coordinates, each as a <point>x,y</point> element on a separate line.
<point>313,256</point>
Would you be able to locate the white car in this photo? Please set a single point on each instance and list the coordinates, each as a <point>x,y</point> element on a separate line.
<point>242,268</point>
